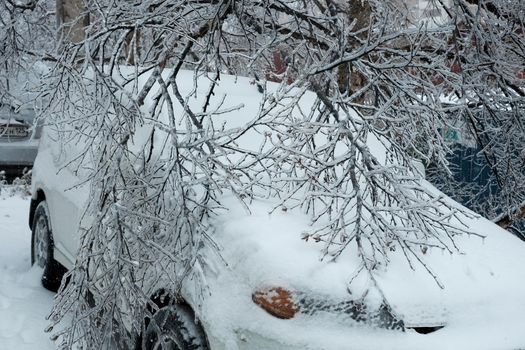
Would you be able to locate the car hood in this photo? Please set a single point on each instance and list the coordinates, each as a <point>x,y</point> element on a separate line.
<point>263,249</point>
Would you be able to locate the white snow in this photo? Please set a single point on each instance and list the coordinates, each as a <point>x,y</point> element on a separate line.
<point>24,303</point>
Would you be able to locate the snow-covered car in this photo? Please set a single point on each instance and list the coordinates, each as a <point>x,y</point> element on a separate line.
<point>18,146</point>
<point>273,291</point>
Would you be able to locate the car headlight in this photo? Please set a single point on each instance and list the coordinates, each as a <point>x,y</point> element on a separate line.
<point>285,304</point>
<point>277,301</point>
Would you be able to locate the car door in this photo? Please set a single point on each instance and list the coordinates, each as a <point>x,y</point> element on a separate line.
<point>66,193</point>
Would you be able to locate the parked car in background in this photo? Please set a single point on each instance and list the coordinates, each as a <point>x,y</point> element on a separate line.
<point>18,141</point>
<point>470,179</point>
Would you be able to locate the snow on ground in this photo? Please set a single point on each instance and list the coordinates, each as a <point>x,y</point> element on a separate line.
<point>24,303</point>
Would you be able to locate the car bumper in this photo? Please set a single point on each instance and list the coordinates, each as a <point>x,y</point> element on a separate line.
<point>17,157</point>
<point>17,154</point>
<point>258,331</point>
<point>249,340</point>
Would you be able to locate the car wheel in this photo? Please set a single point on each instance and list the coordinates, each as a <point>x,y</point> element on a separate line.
<point>173,327</point>
<point>42,249</point>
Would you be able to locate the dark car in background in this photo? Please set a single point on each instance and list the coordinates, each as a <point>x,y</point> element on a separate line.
<point>469,179</point>
<point>18,141</point>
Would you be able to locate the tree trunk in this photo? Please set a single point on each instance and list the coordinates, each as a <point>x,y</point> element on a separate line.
<point>349,79</point>
<point>71,20</point>
<point>507,220</point>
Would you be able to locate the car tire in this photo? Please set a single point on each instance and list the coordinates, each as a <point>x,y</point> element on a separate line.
<point>173,327</point>
<point>42,249</point>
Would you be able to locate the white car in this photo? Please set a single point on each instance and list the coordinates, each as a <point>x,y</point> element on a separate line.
<point>275,293</point>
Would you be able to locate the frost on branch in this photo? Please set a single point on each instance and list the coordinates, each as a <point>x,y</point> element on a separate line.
<point>160,146</point>
<point>486,50</point>
<point>26,33</point>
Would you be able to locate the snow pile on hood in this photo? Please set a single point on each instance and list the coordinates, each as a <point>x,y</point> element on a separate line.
<point>481,304</point>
